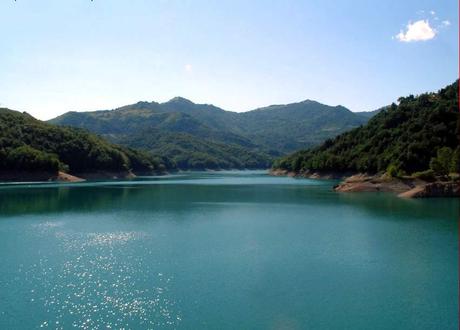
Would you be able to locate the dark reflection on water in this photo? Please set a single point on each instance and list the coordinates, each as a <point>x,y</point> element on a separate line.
<point>156,196</point>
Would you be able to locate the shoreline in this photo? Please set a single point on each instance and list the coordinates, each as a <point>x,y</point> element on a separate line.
<point>363,182</point>
<point>43,176</point>
<point>405,187</point>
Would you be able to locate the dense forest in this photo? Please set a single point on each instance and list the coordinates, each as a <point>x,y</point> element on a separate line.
<point>189,152</point>
<point>28,144</point>
<point>420,133</point>
<point>197,136</point>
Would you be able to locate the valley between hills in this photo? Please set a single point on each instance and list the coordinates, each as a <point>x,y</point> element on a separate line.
<point>415,139</point>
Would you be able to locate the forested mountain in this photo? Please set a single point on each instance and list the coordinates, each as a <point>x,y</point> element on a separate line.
<point>196,134</point>
<point>286,128</point>
<point>30,145</point>
<point>189,152</point>
<point>417,134</point>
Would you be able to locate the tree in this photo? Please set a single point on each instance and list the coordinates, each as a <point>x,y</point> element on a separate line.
<point>442,163</point>
<point>392,170</point>
<point>30,159</point>
<point>455,163</point>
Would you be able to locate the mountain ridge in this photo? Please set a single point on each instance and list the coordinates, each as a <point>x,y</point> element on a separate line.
<point>268,131</point>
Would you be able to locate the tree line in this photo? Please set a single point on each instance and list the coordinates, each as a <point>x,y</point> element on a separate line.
<point>27,144</point>
<point>420,133</point>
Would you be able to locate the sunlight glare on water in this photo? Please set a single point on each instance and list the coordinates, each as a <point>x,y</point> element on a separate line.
<point>224,250</point>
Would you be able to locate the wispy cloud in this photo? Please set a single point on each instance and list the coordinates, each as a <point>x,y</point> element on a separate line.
<point>446,23</point>
<point>188,68</point>
<point>417,31</point>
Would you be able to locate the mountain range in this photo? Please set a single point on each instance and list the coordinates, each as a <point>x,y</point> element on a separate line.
<point>150,137</point>
<point>199,136</point>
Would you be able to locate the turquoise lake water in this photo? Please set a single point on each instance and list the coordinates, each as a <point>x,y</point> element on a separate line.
<point>224,250</point>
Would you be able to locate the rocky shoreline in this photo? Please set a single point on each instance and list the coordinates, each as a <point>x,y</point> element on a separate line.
<point>434,189</point>
<point>375,183</point>
<point>404,187</point>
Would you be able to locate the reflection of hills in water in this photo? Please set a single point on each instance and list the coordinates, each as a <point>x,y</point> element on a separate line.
<point>58,199</point>
<point>178,197</point>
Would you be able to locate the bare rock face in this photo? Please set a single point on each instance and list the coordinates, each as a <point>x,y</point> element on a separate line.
<point>435,189</point>
<point>406,187</point>
<point>373,183</point>
<point>279,172</point>
<point>65,177</point>
<point>330,175</point>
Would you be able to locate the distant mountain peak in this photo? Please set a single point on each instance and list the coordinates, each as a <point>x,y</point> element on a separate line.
<point>309,101</point>
<point>142,103</point>
<point>179,99</point>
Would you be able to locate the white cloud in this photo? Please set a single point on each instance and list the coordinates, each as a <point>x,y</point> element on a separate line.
<point>432,12</point>
<point>446,23</point>
<point>417,31</point>
<point>188,67</point>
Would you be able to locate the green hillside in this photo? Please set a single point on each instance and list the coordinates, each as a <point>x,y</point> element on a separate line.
<point>201,133</point>
<point>189,152</point>
<point>30,145</point>
<point>407,137</point>
<point>285,128</point>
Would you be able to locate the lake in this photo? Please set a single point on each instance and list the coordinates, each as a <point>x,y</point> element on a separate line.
<point>224,250</point>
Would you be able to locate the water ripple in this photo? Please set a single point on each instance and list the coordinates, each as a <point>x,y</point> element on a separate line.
<point>101,283</point>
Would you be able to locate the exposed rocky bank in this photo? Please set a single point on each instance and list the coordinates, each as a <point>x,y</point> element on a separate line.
<point>404,187</point>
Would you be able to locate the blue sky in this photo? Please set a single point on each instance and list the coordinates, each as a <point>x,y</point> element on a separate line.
<point>57,56</point>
